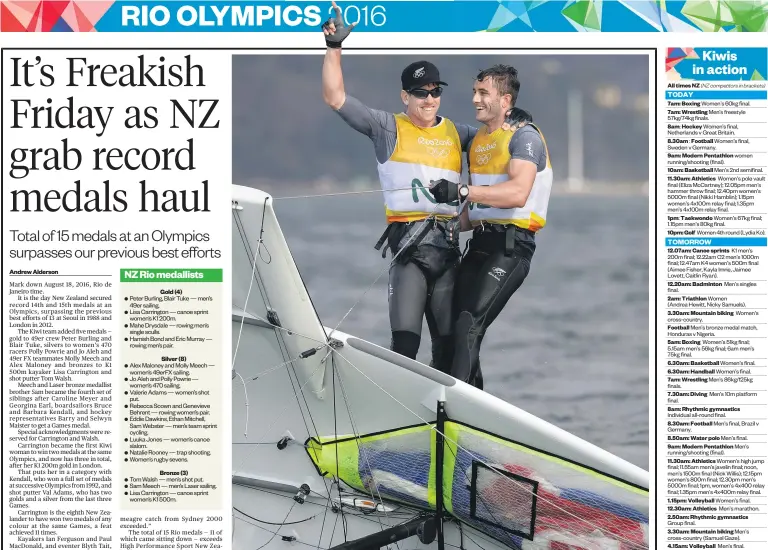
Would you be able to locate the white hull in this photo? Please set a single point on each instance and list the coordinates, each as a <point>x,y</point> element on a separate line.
<point>378,389</point>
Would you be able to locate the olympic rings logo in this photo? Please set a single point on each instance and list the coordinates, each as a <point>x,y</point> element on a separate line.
<point>480,160</point>
<point>438,152</point>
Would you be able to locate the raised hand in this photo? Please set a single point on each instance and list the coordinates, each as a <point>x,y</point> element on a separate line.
<point>334,29</point>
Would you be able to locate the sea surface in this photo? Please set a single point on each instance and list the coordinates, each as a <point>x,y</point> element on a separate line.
<point>570,347</point>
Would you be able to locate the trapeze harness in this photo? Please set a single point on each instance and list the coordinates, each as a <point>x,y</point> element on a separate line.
<point>420,155</point>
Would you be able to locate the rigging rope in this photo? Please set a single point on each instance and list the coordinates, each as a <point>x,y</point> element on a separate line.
<point>275,533</point>
<point>275,523</point>
<point>365,454</point>
<point>254,258</point>
<point>309,412</point>
<point>336,436</point>
<point>490,466</point>
<point>386,268</point>
<point>247,297</point>
<point>331,350</point>
<point>253,271</point>
<point>281,413</point>
<point>290,332</point>
<point>245,391</point>
<point>364,192</point>
<point>361,516</point>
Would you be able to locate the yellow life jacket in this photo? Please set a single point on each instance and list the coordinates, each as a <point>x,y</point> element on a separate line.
<point>488,161</point>
<point>420,155</point>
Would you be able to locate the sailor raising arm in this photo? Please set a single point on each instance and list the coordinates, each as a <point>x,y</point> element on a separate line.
<point>411,149</point>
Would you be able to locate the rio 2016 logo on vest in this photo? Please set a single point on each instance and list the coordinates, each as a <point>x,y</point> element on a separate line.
<point>437,148</point>
<point>484,154</point>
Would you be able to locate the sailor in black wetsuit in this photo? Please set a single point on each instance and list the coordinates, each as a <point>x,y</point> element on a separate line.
<point>506,204</point>
<point>411,149</point>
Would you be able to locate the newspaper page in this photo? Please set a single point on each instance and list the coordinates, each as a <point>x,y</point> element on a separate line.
<point>450,274</point>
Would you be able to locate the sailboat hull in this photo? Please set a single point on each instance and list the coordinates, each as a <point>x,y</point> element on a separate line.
<point>292,384</point>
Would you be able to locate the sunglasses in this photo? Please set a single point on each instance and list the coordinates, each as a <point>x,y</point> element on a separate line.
<point>421,93</point>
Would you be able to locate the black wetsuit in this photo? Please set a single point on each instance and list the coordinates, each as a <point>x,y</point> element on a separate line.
<point>486,280</point>
<point>496,263</point>
<point>422,278</point>
<point>421,283</point>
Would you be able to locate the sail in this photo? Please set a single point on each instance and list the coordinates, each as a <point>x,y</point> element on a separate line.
<point>398,464</point>
<point>523,497</point>
<point>269,292</point>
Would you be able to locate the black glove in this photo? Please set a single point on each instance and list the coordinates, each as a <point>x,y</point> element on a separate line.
<point>453,230</point>
<point>444,190</point>
<point>335,39</point>
<point>518,117</point>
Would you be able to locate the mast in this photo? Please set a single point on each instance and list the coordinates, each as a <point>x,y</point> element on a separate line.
<point>439,452</point>
<point>424,528</point>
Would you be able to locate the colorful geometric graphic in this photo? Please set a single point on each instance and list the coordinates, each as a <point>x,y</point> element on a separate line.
<point>414,16</point>
<point>635,15</point>
<point>587,14</point>
<point>716,63</point>
<point>675,56</point>
<point>729,16</point>
<point>51,16</point>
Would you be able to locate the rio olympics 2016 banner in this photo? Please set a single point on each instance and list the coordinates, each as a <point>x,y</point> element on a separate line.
<point>388,16</point>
